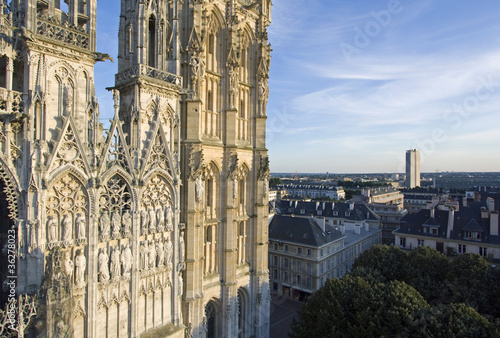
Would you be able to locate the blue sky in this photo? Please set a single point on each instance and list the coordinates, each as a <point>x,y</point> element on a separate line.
<point>354,84</point>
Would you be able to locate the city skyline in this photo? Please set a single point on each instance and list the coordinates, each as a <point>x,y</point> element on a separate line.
<point>366,82</point>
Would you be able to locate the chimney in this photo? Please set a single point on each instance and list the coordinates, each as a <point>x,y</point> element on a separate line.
<point>324,203</point>
<point>333,205</point>
<point>367,226</point>
<point>317,205</point>
<point>291,203</point>
<point>477,196</point>
<point>342,228</point>
<point>351,206</point>
<point>494,223</point>
<point>484,213</point>
<point>357,229</point>
<point>321,223</point>
<point>490,203</point>
<point>432,212</point>
<point>451,222</point>
<point>296,203</point>
<point>464,202</point>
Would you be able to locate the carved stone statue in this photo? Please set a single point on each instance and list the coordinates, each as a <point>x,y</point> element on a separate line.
<point>114,267</point>
<point>152,220</point>
<point>200,189</point>
<point>126,258</point>
<point>104,224</point>
<point>127,221</point>
<point>80,226</point>
<point>182,247</point>
<point>194,64</point>
<point>168,218</point>
<point>181,285</point>
<point>52,229</point>
<point>152,255</point>
<point>81,264</point>
<point>160,220</point>
<point>144,220</point>
<point>67,228</point>
<point>168,251</point>
<point>160,250</point>
<point>115,224</point>
<point>144,256</point>
<point>68,265</point>
<point>103,267</point>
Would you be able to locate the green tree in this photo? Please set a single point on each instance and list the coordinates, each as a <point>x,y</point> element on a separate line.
<point>390,261</point>
<point>274,181</point>
<point>452,320</point>
<point>354,307</point>
<point>428,273</point>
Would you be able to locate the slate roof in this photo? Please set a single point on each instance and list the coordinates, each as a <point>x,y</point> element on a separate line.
<point>467,219</point>
<point>327,209</point>
<point>301,230</point>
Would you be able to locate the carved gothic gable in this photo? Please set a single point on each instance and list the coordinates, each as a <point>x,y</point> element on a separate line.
<point>158,154</point>
<point>68,150</point>
<point>116,151</point>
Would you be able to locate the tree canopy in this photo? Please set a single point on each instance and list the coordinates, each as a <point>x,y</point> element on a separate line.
<point>391,292</point>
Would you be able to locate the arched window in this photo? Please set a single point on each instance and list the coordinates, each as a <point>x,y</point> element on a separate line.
<point>152,41</point>
<point>242,313</point>
<point>211,316</point>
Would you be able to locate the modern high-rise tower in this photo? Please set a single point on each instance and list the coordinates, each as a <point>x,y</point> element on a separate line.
<point>158,226</point>
<point>412,169</point>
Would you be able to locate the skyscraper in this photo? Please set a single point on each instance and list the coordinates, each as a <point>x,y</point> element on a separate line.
<point>157,226</point>
<point>412,168</point>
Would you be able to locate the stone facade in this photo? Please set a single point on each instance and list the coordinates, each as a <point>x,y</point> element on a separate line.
<point>157,226</point>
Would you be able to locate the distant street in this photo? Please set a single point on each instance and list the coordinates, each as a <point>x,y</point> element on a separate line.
<point>283,311</point>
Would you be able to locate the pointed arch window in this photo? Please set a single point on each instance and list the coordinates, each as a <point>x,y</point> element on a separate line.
<point>152,41</point>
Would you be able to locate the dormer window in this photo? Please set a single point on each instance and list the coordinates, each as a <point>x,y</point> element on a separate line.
<point>347,213</point>
<point>302,211</point>
<point>320,212</point>
<point>472,235</point>
<point>335,213</point>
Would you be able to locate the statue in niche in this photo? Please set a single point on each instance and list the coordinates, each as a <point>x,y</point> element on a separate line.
<point>67,228</point>
<point>33,234</point>
<point>160,250</point>
<point>144,256</point>
<point>115,264</point>
<point>144,220</point>
<point>181,285</point>
<point>80,226</point>
<point>168,217</point>
<point>103,267</point>
<point>127,221</point>
<point>194,64</point>
<point>202,66</point>
<point>60,328</point>
<point>152,254</point>
<point>104,224</point>
<point>126,258</point>
<point>168,251</point>
<point>160,219</point>
<point>68,265</point>
<point>182,247</point>
<point>152,220</point>
<point>200,189</point>
<point>115,224</point>
<point>81,264</point>
<point>52,229</point>
<point>262,90</point>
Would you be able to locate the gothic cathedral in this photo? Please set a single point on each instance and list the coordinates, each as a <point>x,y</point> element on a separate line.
<point>154,225</point>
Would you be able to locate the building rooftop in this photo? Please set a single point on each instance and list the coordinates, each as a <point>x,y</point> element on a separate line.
<point>301,230</point>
